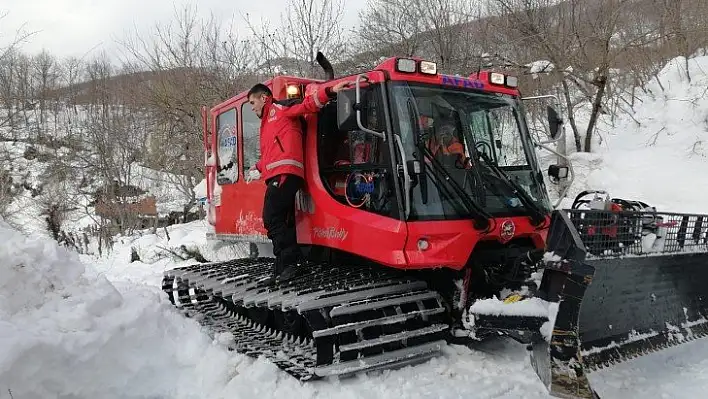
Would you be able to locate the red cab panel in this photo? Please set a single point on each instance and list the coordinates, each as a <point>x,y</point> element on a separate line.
<point>449,243</point>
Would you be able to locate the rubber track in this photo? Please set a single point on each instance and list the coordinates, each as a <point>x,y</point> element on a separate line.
<point>359,318</point>
<point>294,355</point>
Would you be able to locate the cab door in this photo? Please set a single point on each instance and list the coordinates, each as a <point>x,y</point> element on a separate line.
<point>209,165</point>
<point>239,204</point>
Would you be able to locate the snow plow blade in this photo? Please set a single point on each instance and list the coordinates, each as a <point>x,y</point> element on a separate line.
<point>624,284</point>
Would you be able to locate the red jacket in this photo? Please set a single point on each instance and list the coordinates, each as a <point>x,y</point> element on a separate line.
<point>281,135</point>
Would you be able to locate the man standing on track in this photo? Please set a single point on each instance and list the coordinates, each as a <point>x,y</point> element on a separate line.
<point>282,166</point>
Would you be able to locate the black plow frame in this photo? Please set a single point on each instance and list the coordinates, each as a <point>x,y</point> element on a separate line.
<point>625,284</point>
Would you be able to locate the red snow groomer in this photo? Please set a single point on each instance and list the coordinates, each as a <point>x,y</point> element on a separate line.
<point>425,219</point>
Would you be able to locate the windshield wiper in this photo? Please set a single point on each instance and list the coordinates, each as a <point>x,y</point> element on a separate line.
<point>538,215</point>
<point>416,133</point>
<point>480,216</point>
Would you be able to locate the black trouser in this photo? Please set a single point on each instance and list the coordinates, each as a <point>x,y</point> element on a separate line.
<point>279,219</point>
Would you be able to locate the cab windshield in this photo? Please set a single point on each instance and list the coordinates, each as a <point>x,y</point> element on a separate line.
<point>472,150</point>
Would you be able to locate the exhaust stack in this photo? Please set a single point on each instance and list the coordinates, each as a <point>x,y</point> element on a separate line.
<point>326,66</point>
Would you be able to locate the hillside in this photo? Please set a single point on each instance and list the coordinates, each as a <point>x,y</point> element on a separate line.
<point>60,171</point>
<point>659,152</point>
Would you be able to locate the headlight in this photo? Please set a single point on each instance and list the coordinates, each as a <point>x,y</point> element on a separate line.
<point>428,67</point>
<point>292,91</point>
<point>496,78</point>
<point>405,65</point>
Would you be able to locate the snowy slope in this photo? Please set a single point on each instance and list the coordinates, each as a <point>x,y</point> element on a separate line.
<point>663,160</point>
<point>40,173</point>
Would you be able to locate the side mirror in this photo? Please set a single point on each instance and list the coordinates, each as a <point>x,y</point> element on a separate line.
<point>554,122</point>
<point>557,172</point>
<point>346,110</point>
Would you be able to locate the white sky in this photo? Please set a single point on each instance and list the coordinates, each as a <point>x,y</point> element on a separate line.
<point>80,27</point>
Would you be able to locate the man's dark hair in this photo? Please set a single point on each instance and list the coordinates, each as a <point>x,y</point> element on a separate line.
<point>259,88</point>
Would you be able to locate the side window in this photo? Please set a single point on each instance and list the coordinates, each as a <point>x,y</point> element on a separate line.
<point>480,131</point>
<point>354,165</point>
<point>227,149</point>
<point>251,127</point>
<point>496,130</point>
<point>509,146</point>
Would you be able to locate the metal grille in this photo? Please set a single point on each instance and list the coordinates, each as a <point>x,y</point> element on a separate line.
<point>613,234</point>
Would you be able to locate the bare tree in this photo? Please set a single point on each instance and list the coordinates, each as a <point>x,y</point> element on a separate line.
<point>9,95</point>
<point>183,67</point>
<point>8,55</point>
<point>306,27</point>
<point>450,29</point>
<point>682,26</point>
<point>7,186</point>
<point>584,39</point>
<point>440,30</point>
<point>45,75</point>
<point>393,25</point>
<point>113,140</point>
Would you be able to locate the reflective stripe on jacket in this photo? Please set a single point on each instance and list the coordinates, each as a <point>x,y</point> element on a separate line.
<point>281,135</point>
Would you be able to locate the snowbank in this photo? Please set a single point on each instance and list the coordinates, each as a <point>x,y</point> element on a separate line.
<point>34,273</point>
<point>166,248</point>
<point>152,247</point>
<point>67,333</point>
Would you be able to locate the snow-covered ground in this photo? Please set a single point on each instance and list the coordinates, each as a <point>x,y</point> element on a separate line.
<point>105,330</point>
<point>86,327</point>
<point>68,332</point>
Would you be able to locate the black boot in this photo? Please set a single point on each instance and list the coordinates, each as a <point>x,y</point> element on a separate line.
<point>289,273</point>
<point>291,260</point>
